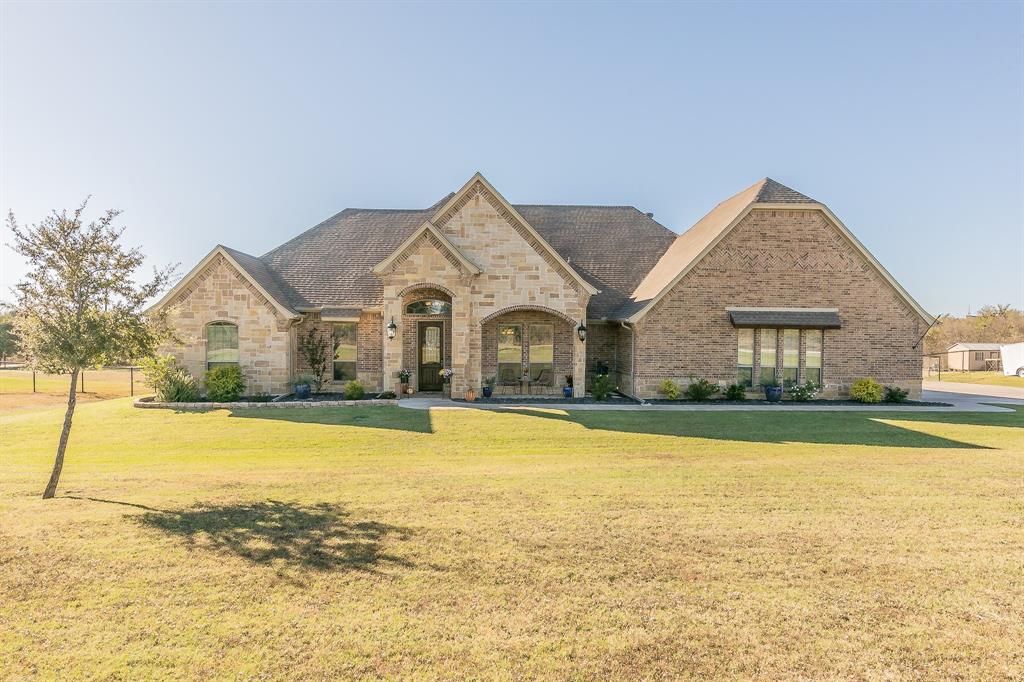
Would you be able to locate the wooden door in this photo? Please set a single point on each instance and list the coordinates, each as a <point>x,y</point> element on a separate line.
<point>430,355</point>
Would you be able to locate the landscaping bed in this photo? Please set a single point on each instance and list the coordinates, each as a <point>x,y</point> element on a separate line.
<point>289,401</point>
<point>550,400</point>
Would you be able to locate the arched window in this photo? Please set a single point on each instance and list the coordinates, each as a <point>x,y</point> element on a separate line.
<point>430,306</point>
<point>221,344</point>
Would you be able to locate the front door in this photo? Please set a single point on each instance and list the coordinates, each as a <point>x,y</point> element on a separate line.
<point>431,355</point>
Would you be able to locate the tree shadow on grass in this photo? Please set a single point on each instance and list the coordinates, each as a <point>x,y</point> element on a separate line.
<point>319,537</point>
<point>832,428</point>
<point>379,417</point>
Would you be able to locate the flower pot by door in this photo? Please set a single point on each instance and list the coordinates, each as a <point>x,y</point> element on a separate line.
<point>402,390</point>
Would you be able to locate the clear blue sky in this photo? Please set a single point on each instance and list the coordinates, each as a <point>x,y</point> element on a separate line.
<point>248,123</point>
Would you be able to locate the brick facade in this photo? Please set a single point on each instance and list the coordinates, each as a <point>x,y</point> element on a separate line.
<point>781,258</point>
<point>369,341</point>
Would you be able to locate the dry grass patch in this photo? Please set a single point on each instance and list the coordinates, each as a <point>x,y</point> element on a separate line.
<point>384,542</point>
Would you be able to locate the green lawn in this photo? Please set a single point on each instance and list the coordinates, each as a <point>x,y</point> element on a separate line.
<point>985,378</point>
<point>16,394</point>
<point>384,542</point>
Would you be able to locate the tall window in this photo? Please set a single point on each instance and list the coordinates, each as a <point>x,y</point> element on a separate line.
<point>510,353</point>
<point>221,344</point>
<point>769,343</point>
<point>812,360</point>
<point>790,356</point>
<point>345,350</point>
<point>745,357</point>
<point>542,353</point>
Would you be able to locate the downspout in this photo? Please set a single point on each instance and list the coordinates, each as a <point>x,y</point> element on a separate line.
<point>632,361</point>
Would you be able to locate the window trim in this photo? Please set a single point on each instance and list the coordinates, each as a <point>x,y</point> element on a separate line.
<point>334,352</point>
<point>238,352</point>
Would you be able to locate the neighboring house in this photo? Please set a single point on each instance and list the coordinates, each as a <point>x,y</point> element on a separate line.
<point>768,284</point>
<point>972,357</point>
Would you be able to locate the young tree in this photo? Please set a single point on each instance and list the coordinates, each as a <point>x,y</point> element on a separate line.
<point>314,352</point>
<point>79,305</point>
<point>8,339</point>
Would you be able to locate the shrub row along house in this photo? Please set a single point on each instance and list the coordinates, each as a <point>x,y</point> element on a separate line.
<point>768,285</point>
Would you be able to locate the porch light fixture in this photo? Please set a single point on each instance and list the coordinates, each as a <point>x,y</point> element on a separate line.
<point>392,328</point>
<point>582,332</point>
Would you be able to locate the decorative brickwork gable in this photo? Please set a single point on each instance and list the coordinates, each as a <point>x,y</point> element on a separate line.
<point>781,258</point>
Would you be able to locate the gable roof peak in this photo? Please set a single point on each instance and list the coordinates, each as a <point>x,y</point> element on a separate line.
<point>771,192</point>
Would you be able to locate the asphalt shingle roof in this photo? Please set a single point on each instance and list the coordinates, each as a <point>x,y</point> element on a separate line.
<point>621,251</point>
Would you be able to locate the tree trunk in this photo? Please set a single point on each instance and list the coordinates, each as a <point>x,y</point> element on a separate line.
<point>58,463</point>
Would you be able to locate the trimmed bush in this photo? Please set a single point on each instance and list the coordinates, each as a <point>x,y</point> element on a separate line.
<point>602,387</point>
<point>354,390</point>
<point>225,384</point>
<point>803,393</point>
<point>700,389</point>
<point>895,394</point>
<point>669,389</point>
<point>736,392</point>
<point>171,383</point>
<point>866,391</point>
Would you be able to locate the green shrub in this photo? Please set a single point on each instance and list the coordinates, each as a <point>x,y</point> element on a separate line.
<point>736,392</point>
<point>354,390</point>
<point>225,384</point>
<point>669,389</point>
<point>387,395</point>
<point>866,391</point>
<point>700,389</point>
<point>602,387</point>
<point>171,383</point>
<point>802,393</point>
<point>895,394</point>
<point>307,379</point>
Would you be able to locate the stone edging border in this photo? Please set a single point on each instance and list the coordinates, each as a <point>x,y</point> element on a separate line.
<point>148,403</point>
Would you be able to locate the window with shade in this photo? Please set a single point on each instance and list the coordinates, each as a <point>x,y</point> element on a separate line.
<point>510,353</point>
<point>221,344</point>
<point>542,354</point>
<point>745,357</point>
<point>346,346</point>
<point>769,352</point>
<point>790,356</point>
<point>812,355</point>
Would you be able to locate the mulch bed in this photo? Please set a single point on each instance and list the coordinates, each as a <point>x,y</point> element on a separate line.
<point>817,401</point>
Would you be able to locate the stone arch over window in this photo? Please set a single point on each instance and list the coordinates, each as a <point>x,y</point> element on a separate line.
<point>412,288</point>
<point>537,308</point>
<point>221,344</point>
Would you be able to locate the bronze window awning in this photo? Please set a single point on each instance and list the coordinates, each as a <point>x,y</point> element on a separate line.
<point>789,318</point>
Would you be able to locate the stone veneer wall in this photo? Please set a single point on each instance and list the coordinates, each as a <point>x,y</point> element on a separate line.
<point>563,342</point>
<point>369,342</point>
<point>782,258</point>
<point>514,274</point>
<point>221,294</point>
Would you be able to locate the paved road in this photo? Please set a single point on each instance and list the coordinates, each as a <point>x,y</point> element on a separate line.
<point>959,402</point>
<point>973,389</point>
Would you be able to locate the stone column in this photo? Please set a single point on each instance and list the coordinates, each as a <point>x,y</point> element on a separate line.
<point>392,349</point>
<point>579,365</point>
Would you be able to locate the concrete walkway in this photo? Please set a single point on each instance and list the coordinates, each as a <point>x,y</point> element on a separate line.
<point>947,387</point>
<point>960,402</point>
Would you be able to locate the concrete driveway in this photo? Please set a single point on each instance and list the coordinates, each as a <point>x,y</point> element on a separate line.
<point>945,388</point>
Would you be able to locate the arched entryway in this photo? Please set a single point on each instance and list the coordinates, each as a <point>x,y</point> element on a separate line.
<point>426,335</point>
<point>527,350</point>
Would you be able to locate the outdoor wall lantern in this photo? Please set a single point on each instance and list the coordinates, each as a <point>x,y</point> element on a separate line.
<point>582,331</point>
<point>392,328</point>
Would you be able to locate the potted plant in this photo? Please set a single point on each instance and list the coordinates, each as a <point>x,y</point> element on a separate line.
<point>567,389</point>
<point>446,380</point>
<point>470,395</point>
<point>772,390</point>
<point>489,385</point>
<point>303,385</point>
<point>403,381</point>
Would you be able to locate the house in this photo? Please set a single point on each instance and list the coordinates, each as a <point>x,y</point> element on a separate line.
<point>769,284</point>
<point>971,357</point>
